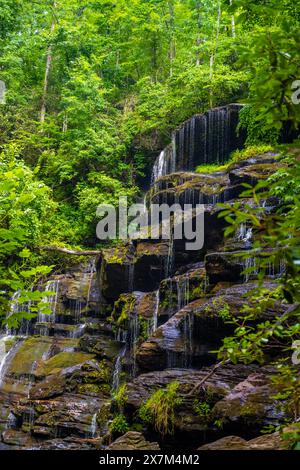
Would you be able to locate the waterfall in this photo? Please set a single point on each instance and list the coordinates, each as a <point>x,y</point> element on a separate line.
<point>91,272</point>
<point>130,277</point>
<point>134,333</point>
<point>118,369</point>
<point>183,291</point>
<point>170,258</point>
<point>159,167</point>
<point>154,320</point>
<point>251,265</point>
<point>208,138</point>
<point>5,357</point>
<point>51,286</point>
<point>77,310</point>
<point>273,269</point>
<point>78,332</point>
<point>11,422</point>
<point>17,307</point>
<point>244,234</point>
<point>93,427</point>
<point>188,339</point>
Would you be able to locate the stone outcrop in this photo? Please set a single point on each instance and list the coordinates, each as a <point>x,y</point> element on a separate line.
<point>267,442</point>
<point>190,335</point>
<point>133,441</point>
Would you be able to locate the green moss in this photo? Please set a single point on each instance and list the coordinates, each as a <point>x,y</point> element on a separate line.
<point>87,389</point>
<point>30,351</point>
<point>120,397</point>
<point>123,308</point>
<point>62,360</point>
<point>235,157</point>
<point>210,168</point>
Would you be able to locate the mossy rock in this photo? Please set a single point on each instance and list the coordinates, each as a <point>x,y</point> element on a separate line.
<point>29,353</point>
<point>61,361</point>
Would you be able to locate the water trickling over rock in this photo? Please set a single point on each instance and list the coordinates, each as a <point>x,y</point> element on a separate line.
<point>204,139</point>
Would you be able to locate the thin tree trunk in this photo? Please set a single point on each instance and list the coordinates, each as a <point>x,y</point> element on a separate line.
<point>48,68</point>
<point>208,376</point>
<point>71,252</point>
<point>172,49</point>
<point>232,22</point>
<point>213,54</point>
<point>198,40</point>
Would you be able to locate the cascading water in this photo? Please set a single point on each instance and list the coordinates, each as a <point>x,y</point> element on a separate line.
<point>188,339</point>
<point>6,357</point>
<point>170,258</point>
<point>118,369</point>
<point>93,428</point>
<point>244,235</point>
<point>90,275</point>
<point>183,291</point>
<point>154,320</point>
<point>204,139</point>
<point>159,167</point>
<point>18,307</point>
<point>134,333</point>
<point>51,286</point>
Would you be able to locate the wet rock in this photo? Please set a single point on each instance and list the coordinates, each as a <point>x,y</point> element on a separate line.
<point>17,438</point>
<point>133,441</point>
<point>226,443</point>
<point>180,290</point>
<point>266,442</point>
<point>68,443</point>
<point>249,405</point>
<point>187,419</point>
<point>102,346</point>
<point>188,337</point>
<point>63,416</point>
<point>53,386</point>
<point>138,267</point>
<point>60,361</point>
<point>257,169</point>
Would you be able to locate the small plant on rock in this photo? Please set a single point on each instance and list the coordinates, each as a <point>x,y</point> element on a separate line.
<point>160,407</point>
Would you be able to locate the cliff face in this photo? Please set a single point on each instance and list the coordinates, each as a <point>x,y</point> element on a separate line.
<point>148,313</point>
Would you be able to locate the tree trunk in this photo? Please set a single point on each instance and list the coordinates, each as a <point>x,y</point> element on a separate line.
<point>213,54</point>
<point>198,39</point>
<point>172,47</point>
<point>48,68</point>
<point>71,252</point>
<point>232,22</point>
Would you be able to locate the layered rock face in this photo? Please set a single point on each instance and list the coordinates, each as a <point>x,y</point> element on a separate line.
<point>150,313</point>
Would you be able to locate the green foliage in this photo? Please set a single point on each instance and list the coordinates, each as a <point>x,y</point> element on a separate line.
<point>119,424</point>
<point>25,204</point>
<point>236,156</point>
<point>159,410</point>
<point>202,409</point>
<point>120,397</point>
<point>253,338</point>
<point>257,134</point>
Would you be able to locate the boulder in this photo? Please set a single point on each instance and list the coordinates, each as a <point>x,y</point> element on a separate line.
<point>249,405</point>
<point>188,420</point>
<point>133,441</point>
<point>266,442</point>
